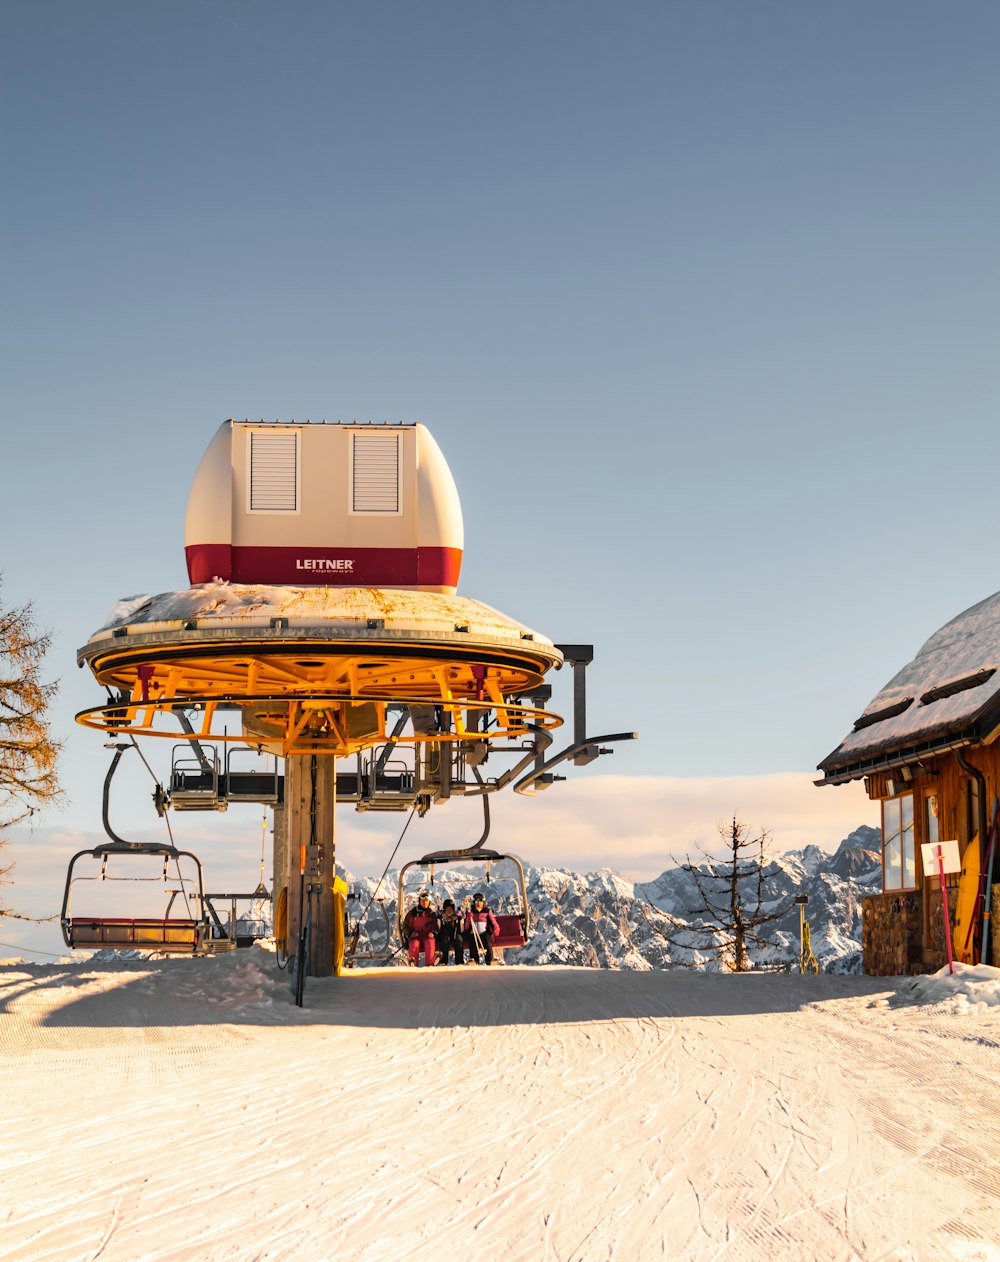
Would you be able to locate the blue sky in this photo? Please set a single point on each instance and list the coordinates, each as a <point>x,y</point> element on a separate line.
<point>699,300</point>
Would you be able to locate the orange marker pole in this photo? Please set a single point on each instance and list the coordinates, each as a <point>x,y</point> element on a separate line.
<point>302,890</point>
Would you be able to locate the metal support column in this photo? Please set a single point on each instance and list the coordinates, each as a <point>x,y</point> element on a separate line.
<point>579,657</point>
<point>279,853</point>
<point>310,801</point>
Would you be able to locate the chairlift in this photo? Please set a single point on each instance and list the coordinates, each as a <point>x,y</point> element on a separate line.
<point>200,781</point>
<point>247,783</point>
<point>512,914</point>
<point>195,780</point>
<point>381,782</point>
<point>376,954</point>
<point>187,934</point>
<point>247,918</point>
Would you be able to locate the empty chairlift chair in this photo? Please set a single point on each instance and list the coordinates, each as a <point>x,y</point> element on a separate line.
<point>187,934</point>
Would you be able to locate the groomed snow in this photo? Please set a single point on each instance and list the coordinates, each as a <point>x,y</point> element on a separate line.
<point>183,1109</point>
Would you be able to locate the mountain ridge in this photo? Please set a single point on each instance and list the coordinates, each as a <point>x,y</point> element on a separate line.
<point>600,919</point>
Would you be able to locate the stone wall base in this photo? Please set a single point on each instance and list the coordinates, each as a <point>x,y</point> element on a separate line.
<point>893,941</point>
<point>890,926</point>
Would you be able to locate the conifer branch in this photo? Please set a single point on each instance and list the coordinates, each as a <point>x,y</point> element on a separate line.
<point>28,754</point>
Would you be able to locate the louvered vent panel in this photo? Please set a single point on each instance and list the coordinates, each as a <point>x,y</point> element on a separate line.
<point>273,472</point>
<point>375,476</point>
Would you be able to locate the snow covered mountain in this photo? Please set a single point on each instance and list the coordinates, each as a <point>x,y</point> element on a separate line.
<point>601,920</point>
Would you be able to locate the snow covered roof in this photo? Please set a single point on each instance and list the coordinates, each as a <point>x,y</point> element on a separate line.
<point>361,612</point>
<point>946,697</point>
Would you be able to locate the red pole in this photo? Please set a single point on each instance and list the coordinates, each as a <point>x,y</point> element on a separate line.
<point>944,903</point>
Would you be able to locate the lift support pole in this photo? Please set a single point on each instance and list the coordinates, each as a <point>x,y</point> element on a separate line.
<point>310,802</point>
<point>579,656</point>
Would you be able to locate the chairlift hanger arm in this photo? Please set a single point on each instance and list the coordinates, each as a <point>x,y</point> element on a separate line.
<point>391,742</point>
<point>119,841</point>
<point>196,745</point>
<point>540,742</point>
<point>525,784</point>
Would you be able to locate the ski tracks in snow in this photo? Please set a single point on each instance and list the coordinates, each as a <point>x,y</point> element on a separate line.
<point>180,1111</point>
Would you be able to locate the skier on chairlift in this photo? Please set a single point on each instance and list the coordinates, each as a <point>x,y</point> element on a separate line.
<point>449,939</point>
<point>420,925</point>
<point>480,928</point>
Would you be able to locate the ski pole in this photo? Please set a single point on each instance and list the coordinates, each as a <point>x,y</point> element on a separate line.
<point>467,908</point>
<point>475,934</point>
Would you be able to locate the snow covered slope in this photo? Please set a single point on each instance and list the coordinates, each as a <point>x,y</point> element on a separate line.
<point>185,1109</point>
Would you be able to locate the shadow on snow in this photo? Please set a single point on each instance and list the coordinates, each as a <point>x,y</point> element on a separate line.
<point>184,993</point>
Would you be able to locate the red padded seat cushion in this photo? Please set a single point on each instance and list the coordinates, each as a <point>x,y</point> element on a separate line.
<point>510,934</point>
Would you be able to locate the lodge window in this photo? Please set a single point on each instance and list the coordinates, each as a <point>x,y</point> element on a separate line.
<point>899,863</point>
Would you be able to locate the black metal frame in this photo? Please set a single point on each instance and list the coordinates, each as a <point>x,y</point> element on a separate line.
<point>212,787</point>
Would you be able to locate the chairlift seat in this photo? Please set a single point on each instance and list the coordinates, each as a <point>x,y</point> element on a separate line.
<point>253,786</point>
<point>511,932</point>
<point>137,933</point>
<point>182,781</point>
<point>196,791</point>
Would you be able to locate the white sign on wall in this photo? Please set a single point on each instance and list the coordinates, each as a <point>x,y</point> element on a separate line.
<point>946,851</point>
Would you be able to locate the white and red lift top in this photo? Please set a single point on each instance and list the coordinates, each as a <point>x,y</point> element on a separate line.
<point>326,505</point>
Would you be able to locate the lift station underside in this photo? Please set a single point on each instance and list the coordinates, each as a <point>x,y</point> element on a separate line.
<point>315,670</point>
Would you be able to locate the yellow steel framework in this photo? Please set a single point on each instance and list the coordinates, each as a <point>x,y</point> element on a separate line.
<point>309,697</point>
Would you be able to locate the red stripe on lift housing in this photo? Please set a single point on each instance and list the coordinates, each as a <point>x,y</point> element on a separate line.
<point>325,567</point>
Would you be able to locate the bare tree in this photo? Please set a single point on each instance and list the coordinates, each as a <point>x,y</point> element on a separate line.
<point>28,754</point>
<point>731,895</point>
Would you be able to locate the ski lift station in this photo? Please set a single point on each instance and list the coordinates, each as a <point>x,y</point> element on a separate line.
<point>323,637</point>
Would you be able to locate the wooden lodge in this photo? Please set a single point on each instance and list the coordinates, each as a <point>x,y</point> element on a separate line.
<point>927,749</point>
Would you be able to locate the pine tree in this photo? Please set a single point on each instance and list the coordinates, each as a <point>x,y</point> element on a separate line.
<point>28,754</point>
<point>729,914</point>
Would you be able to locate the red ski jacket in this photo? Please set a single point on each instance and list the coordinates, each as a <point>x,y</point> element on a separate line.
<point>419,922</point>
<point>487,925</point>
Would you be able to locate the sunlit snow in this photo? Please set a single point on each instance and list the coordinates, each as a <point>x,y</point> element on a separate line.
<point>184,1108</point>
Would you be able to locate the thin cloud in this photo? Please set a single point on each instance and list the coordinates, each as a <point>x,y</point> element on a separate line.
<point>639,825</point>
<point>636,825</point>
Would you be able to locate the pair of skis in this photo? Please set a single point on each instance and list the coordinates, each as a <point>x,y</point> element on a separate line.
<point>982,906</point>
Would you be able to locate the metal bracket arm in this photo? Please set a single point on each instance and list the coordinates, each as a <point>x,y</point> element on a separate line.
<point>535,780</point>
